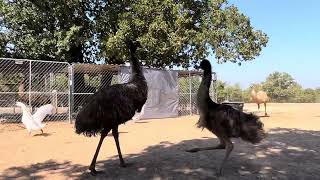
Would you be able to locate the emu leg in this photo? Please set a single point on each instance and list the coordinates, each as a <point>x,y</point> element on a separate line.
<point>229,148</point>
<point>115,134</point>
<point>222,145</point>
<point>92,167</point>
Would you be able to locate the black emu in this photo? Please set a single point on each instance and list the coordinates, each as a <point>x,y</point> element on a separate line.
<point>223,120</point>
<point>111,106</point>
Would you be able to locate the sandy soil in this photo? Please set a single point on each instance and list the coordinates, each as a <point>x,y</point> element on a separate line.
<point>155,149</point>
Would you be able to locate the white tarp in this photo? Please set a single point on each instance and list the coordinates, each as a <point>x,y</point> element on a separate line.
<point>163,95</point>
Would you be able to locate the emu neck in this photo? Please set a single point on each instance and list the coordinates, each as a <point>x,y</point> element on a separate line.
<point>135,67</point>
<point>203,91</point>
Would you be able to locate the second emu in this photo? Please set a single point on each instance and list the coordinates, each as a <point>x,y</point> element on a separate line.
<point>111,106</point>
<point>223,120</point>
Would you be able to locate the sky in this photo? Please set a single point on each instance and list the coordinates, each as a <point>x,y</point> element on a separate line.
<point>293,28</point>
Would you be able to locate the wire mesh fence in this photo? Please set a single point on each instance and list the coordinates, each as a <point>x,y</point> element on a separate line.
<point>34,83</point>
<point>68,87</point>
<point>87,79</point>
<point>188,86</point>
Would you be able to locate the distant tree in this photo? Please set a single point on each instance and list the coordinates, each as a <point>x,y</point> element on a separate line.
<point>305,96</point>
<point>221,90</point>
<point>280,87</point>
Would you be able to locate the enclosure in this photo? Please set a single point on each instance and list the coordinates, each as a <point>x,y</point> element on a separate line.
<point>172,93</point>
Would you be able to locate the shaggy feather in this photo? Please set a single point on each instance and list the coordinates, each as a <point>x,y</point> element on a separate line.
<point>113,105</point>
<point>223,120</point>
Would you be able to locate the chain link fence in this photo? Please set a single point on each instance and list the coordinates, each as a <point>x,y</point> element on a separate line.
<point>87,79</point>
<point>34,83</point>
<point>189,82</point>
<point>68,87</point>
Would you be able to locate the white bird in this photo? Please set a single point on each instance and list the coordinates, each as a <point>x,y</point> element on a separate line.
<point>34,122</point>
<point>138,115</point>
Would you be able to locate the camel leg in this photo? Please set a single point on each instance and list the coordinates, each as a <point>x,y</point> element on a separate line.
<point>265,109</point>
<point>258,106</point>
<point>115,134</point>
<point>219,146</point>
<point>41,131</point>
<point>229,148</point>
<point>92,167</point>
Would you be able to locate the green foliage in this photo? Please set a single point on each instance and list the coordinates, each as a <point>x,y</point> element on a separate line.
<point>172,32</point>
<point>230,92</point>
<point>281,87</point>
<point>8,82</point>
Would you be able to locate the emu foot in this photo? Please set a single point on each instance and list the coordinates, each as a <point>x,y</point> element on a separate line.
<point>193,150</point>
<point>94,172</point>
<point>124,165</point>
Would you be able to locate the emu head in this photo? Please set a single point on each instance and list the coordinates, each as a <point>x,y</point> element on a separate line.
<point>133,45</point>
<point>205,65</point>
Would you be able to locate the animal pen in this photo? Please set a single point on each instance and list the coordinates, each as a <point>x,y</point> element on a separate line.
<point>172,93</point>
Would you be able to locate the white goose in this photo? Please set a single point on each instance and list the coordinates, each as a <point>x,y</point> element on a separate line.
<point>34,122</point>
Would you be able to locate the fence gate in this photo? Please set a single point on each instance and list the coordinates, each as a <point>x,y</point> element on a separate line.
<point>35,83</point>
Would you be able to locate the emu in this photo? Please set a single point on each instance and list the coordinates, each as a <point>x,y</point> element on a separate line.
<point>114,105</point>
<point>223,120</point>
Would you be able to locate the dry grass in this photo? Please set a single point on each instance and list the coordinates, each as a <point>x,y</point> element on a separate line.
<point>155,150</point>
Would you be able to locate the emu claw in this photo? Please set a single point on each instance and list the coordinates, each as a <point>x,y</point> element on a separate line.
<point>93,172</point>
<point>123,165</point>
<point>192,150</point>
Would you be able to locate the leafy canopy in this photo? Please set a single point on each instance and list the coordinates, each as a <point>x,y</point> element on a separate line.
<point>172,32</point>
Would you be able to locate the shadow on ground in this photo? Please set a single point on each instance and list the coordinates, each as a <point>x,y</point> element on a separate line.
<point>285,154</point>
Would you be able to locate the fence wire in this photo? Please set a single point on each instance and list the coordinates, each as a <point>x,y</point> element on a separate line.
<point>68,87</point>
<point>87,79</point>
<point>34,83</point>
<point>188,87</point>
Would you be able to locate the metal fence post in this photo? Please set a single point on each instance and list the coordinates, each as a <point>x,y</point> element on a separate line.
<point>70,95</point>
<point>190,93</point>
<point>30,79</point>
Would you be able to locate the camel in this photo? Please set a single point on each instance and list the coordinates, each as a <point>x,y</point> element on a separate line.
<point>259,98</point>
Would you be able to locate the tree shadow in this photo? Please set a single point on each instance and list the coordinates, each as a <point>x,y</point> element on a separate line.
<point>40,170</point>
<point>284,154</point>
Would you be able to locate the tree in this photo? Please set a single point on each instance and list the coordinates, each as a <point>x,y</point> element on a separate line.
<point>280,87</point>
<point>172,32</point>
<point>220,90</point>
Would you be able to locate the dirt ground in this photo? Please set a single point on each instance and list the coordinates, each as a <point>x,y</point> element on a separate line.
<point>155,149</point>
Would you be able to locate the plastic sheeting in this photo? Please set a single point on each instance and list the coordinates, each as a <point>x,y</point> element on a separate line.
<point>163,97</point>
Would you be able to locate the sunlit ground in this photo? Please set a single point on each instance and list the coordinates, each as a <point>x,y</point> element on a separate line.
<point>154,149</point>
